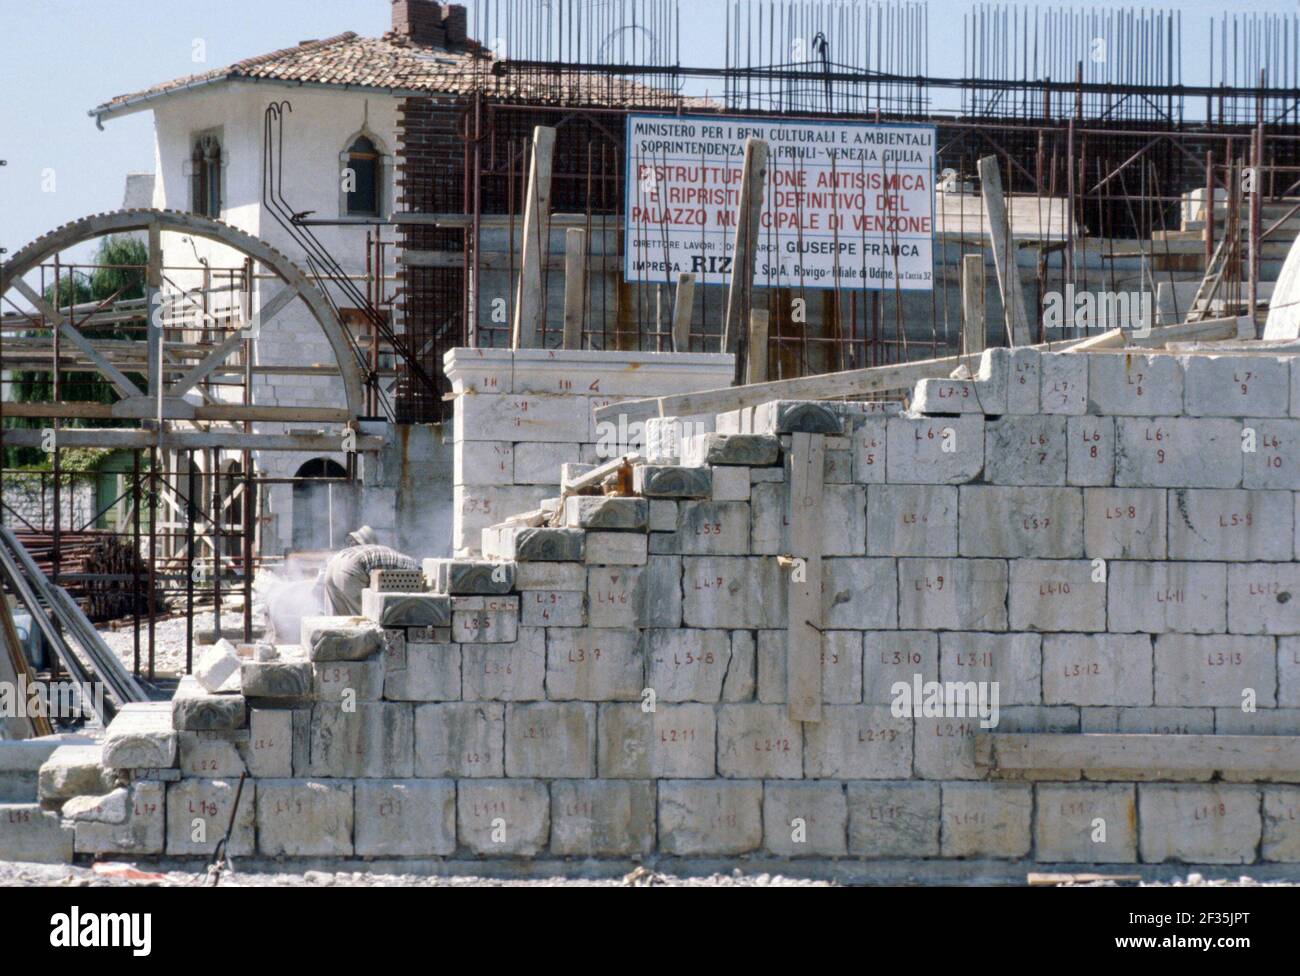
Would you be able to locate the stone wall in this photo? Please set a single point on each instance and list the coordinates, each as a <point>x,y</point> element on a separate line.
<point>29,500</point>
<point>1097,551</point>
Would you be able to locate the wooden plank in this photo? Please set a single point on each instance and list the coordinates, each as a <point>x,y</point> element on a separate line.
<point>683,303</point>
<point>212,411</point>
<point>575,285</point>
<point>1004,253</point>
<point>193,440</point>
<point>974,327</point>
<point>529,313</point>
<point>114,375</point>
<point>803,655</point>
<point>741,287</point>
<point>1160,335</point>
<point>756,349</point>
<point>1153,755</point>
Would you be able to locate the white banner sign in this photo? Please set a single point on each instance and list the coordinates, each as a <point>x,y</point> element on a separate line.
<point>847,205</point>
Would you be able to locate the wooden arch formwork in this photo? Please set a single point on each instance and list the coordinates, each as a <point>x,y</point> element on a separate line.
<point>189,425</point>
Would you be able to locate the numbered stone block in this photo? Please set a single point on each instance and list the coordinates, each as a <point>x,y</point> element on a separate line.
<point>893,819</point>
<point>139,829</point>
<point>476,508</point>
<point>1086,823</point>
<point>1101,669</point>
<point>740,681</point>
<point>1230,525</point>
<point>1063,386</point>
<point>269,749</point>
<point>841,666</point>
<point>1270,453</point>
<point>868,447</point>
<point>484,463</point>
<point>733,592</point>
<point>1025,450</point>
<point>716,817</point>
<point>505,672</point>
<point>1236,386</point>
<point>1124,523</point>
<point>797,416</point>
<point>1158,597</point>
<point>1006,521</point>
<point>843,526</point>
<point>1011,662</point>
<point>944,748</point>
<point>859,594</point>
<point>406,609</point>
<point>673,741</point>
<point>1024,379</point>
<point>503,817</point>
<point>934,451</point>
<point>551,740</point>
<point>658,481</point>
<point>594,664</point>
<point>485,620</point>
<point>349,680</point>
<point>460,740</point>
<point>194,709</point>
<point>1232,720</point>
<point>199,815</point>
<point>912,520</point>
<point>805,819</point>
<point>1057,595</point>
<point>1281,829</point>
<point>760,742</point>
<point>539,464</point>
<point>986,820</point>
<point>1090,450</point>
<point>536,417</point>
<point>1217,670</point>
<point>616,596</point>
<point>594,818</point>
<point>1177,452</point>
<point>405,817</point>
<point>986,393</point>
<point>431,673</point>
<point>857,742</point>
<point>687,664</point>
<point>606,513</point>
<point>1211,824</point>
<point>1262,598</point>
<point>1288,671</point>
<point>714,528</point>
<point>376,740</point>
<point>1158,721</point>
<point>893,656</point>
<point>1134,386</point>
<point>28,833</point>
<point>341,638</point>
<point>204,754</point>
<point>952,594</point>
<point>663,514</point>
<point>141,736</point>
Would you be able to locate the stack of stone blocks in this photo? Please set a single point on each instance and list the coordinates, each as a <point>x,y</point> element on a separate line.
<point>1109,539</point>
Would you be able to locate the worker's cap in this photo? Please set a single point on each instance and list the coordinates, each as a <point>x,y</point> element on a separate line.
<point>364,536</point>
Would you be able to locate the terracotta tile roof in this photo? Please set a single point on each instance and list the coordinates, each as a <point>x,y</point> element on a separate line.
<point>390,63</point>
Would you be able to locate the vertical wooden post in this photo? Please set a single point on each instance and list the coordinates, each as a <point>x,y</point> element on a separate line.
<point>803,656</point>
<point>1004,254</point>
<point>756,349</point>
<point>682,306</point>
<point>973,326</point>
<point>575,285</point>
<point>529,313</point>
<point>153,284</point>
<point>740,291</point>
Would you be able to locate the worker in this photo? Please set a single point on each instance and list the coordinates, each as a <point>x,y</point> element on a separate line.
<point>348,571</point>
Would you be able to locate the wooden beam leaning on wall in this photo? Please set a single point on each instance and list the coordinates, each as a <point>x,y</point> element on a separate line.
<point>529,312</point>
<point>877,379</point>
<point>683,304</point>
<point>740,292</point>
<point>1004,252</point>
<point>575,285</point>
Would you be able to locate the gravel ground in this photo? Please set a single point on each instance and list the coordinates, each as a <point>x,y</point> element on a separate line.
<point>169,640</point>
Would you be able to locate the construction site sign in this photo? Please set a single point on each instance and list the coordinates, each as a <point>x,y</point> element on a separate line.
<point>845,205</point>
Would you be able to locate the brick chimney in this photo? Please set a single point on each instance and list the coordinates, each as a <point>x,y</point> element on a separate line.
<point>425,23</point>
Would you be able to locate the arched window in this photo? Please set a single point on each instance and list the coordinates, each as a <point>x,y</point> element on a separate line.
<point>362,185</point>
<point>205,169</point>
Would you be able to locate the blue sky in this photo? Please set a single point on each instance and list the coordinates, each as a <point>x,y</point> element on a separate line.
<point>59,58</point>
